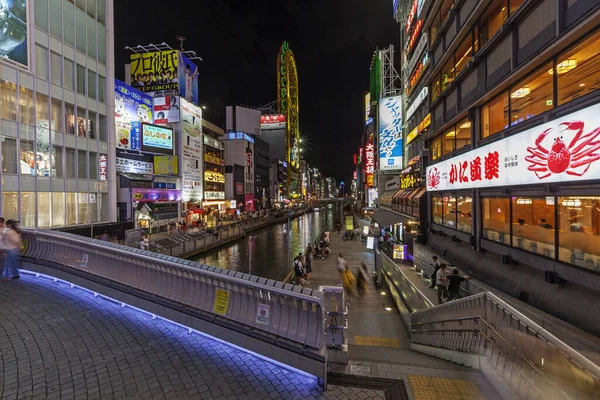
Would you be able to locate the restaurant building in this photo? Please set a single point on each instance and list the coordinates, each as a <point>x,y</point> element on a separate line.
<point>513,185</point>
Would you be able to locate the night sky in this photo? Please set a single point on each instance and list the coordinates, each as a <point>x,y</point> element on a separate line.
<point>332,40</point>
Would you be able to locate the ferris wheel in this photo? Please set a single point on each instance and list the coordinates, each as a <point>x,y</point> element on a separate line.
<point>287,102</point>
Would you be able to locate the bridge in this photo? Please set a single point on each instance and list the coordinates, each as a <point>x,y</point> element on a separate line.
<point>299,327</point>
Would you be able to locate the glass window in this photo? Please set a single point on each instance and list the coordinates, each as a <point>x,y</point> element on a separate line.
<point>69,22</point>
<point>102,11</point>
<point>80,4</point>
<point>91,8</point>
<point>57,165</point>
<point>57,123</point>
<point>494,115</point>
<point>463,133</point>
<point>70,118</point>
<point>27,103</point>
<point>27,159</point>
<point>102,128</point>
<point>532,96</point>
<point>436,209</point>
<point>101,89</point>
<point>447,73</point>
<point>81,123</point>
<point>55,69</point>
<point>82,208</point>
<point>91,84</point>
<point>9,156</point>
<point>56,18</point>
<point>464,207</point>
<point>41,14</point>
<point>436,25</point>
<point>82,164</point>
<point>93,206</point>
<point>91,37</point>
<point>8,100</point>
<point>436,88</point>
<point>533,224</point>
<point>449,211</point>
<point>496,217</point>
<point>448,142</point>
<point>69,75</point>
<point>579,234</point>
<point>103,203</point>
<point>579,70</point>
<point>92,124</point>
<point>445,9</point>
<point>71,213</point>
<point>436,148</point>
<point>514,5</point>
<point>93,165</point>
<point>80,30</point>
<point>28,209</point>
<point>101,44</point>
<point>476,46</point>
<point>41,108</point>
<point>80,79</point>
<point>10,205</point>
<point>464,52</point>
<point>58,209</point>
<point>492,20</point>
<point>41,62</point>
<point>43,210</point>
<point>70,159</point>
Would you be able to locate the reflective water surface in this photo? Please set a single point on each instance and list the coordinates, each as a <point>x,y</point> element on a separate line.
<point>269,252</point>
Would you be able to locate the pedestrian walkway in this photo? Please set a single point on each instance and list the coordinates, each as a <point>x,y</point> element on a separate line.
<point>378,342</point>
<point>58,342</point>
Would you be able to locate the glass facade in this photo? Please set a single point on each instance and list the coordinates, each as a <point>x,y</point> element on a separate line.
<point>49,175</point>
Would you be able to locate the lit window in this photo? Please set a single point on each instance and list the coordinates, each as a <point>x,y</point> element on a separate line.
<point>532,96</point>
<point>494,115</point>
<point>579,70</point>
<point>492,20</point>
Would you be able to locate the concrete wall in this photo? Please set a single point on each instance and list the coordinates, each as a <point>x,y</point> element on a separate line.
<point>570,302</point>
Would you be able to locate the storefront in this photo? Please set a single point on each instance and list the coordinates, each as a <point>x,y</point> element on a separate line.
<point>155,208</point>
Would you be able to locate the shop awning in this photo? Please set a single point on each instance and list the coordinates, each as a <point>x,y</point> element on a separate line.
<point>386,218</point>
<point>417,193</point>
<point>400,193</point>
<point>387,195</point>
<point>135,177</point>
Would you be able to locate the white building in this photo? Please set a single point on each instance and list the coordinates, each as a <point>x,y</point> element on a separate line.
<point>57,114</point>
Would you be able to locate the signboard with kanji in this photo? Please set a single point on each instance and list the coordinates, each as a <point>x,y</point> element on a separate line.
<point>564,150</point>
<point>370,161</point>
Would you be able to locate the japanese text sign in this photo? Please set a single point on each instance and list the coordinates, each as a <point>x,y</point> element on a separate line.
<point>563,150</point>
<point>131,108</point>
<point>154,71</point>
<point>157,139</point>
<point>390,133</point>
<point>103,163</point>
<point>155,195</point>
<point>370,161</point>
<point>134,166</point>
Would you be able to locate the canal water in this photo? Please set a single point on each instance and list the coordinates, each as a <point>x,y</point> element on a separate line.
<point>269,252</point>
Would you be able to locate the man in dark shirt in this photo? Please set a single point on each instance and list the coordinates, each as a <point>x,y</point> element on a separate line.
<point>454,285</point>
<point>436,267</point>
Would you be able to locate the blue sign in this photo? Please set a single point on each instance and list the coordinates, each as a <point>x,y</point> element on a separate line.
<point>390,133</point>
<point>131,108</point>
<point>240,135</point>
<point>188,79</point>
<point>395,6</point>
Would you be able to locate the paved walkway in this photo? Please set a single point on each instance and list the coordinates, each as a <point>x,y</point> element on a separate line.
<point>63,343</point>
<point>379,345</point>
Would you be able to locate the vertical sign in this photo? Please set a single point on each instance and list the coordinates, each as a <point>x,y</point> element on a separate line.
<point>390,133</point>
<point>370,161</point>
<point>103,161</point>
<point>192,162</point>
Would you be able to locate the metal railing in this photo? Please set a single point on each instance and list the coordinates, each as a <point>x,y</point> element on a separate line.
<point>532,362</point>
<point>262,305</point>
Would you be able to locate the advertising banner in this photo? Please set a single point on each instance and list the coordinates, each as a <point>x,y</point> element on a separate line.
<point>214,195</point>
<point>155,195</point>
<point>131,108</point>
<point>134,166</point>
<point>166,110</point>
<point>213,160</point>
<point>157,139</point>
<point>39,160</point>
<point>370,161</point>
<point>563,150</point>
<point>192,149</point>
<point>213,143</point>
<point>103,164</point>
<point>390,133</point>
<point>13,35</point>
<point>367,106</point>
<point>154,71</point>
<point>216,177</point>
<point>188,79</point>
<point>273,121</point>
<point>249,202</point>
<point>239,188</point>
<point>166,165</point>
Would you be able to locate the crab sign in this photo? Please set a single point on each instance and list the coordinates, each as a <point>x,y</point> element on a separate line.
<point>574,159</point>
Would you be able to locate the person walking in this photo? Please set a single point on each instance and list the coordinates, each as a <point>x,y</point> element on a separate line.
<point>454,281</point>
<point>11,244</point>
<point>361,281</point>
<point>342,264</point>
<point>442,283</point>
<point>349,283</point>
<point>104,237</point>
<point>308,257</point>
<point>298,271</point>
<point>436,268</point>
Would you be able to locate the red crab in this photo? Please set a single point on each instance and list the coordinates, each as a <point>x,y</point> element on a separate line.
<point>581,152</point>
<point>433,179</point>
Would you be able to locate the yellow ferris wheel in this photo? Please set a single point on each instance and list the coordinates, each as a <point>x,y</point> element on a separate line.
<point>287,102</point>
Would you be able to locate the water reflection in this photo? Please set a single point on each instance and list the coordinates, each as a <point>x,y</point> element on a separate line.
<point>266,252</point>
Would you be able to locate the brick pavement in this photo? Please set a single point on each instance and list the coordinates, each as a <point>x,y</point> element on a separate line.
<point>62,343</point>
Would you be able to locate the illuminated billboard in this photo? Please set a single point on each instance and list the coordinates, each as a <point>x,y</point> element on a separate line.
<point>166,110</point>
<point>370,161</point>
<point>13,35</point>
<point>166,165</point>
<point>367,106</point>
<point>188,79</point>
<point>131,108</point>
<point>192,148</point>
<point>390,133</point>
<point>154,71</point>
<point>157,139</point>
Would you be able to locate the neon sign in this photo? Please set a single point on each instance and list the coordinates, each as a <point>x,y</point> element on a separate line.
<point>283,73</point>
<point>414,35</point>
<point>370,161</point>
<point>411,16</point>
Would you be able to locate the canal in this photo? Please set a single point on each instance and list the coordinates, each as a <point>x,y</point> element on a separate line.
<point>269,252</point>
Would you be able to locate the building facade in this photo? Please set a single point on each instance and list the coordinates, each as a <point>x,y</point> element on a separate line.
<point>261,177</point>
<point>239,149</point>
<point>56,124</point>
<point>214,170</point>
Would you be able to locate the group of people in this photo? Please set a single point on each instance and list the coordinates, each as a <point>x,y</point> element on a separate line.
<point>448,283</point>
<point>303,262</point>
<point>352,284</point>
<point>10,249</point>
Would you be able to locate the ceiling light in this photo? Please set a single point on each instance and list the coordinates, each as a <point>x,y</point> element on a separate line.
<point>388,309</point>
<point>581,84</point>
<point>524,201</point>
<point>571,203</point>
<point>466,125</point>
<point>520,93</point>
<point>383,293</point>
<point>564,66</point>
<point>451,134</point>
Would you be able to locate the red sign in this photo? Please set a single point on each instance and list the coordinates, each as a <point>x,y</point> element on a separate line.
<point>414,35</point>
<point>411,16</point>
<point>355,157</point>
<point>370,161</point>
<point>272,119</point>
<point>103,163</point>
<point>355,175</point>
<point>239,188</point>
<point>249,201</point>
